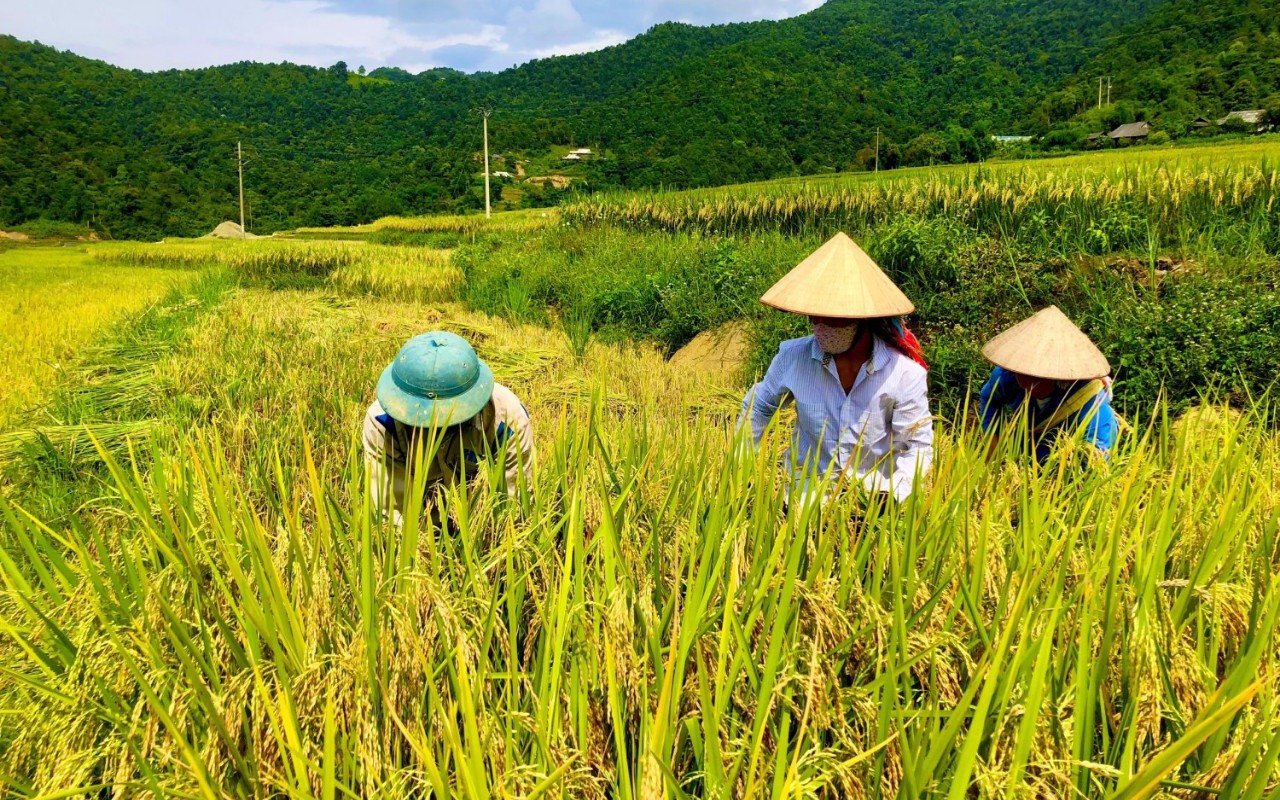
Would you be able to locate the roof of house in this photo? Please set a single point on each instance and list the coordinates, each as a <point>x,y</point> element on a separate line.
<point>572,157</point>
<point>1252,116</point>
<point>1132,130</point>
<point>583,151</point>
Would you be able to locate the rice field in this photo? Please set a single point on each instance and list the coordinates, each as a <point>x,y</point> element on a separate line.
<point>199,601</point>
<point>351,267</point>
<point>1084,204</point>
<point>526,221</point>
<point>51,305</point>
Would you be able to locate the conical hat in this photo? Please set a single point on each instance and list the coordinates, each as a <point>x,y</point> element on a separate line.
<point>1048,345</point>
<point>838,280</point>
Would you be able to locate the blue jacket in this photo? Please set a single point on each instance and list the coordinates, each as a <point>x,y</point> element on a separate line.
<point>1002,398</point>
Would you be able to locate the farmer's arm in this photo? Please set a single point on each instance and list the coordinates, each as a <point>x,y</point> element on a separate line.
<point>995,395</point>
<point>520,452</point>
<point>513,434</point>
<point>912,451</point>
<point>1099,422</point>
<point>764,399</point>
<point>387,473</point>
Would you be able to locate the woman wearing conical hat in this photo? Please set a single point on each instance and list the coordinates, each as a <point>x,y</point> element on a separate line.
<point>859,381</point>
<point>1047,368</point>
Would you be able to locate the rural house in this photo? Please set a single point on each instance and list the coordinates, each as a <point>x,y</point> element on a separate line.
<point>1255,118</point>
<point>1131,132</point>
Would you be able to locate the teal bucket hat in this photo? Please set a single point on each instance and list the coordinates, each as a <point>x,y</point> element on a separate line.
<point>437,380</point>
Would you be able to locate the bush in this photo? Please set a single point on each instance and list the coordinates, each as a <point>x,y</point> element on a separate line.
<point>1197,333</point>
<point>1159,137</point>
<point>53,229</point>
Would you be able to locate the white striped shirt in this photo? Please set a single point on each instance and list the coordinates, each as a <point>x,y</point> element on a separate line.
<point>881,431</point>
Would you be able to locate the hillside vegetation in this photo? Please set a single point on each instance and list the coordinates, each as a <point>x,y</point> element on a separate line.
<point>139,155</point>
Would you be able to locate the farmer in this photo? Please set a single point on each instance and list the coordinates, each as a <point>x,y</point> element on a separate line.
<point>1048,369</point>
<point>859,382</point>
<point>438,390</point>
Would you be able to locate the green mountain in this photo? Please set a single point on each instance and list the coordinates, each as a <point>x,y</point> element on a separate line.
<point>148,154</point>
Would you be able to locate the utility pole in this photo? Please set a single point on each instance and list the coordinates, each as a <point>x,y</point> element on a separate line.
<point>1108,90</point>
<point>484,112</point>
<point>1099,92</point>
<point>877,148</point>
<point>240,169</point>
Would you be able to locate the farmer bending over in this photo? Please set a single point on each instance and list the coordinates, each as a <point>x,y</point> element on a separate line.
<point>859,382</point>
<point>437,389</point>
<point>1048,369</point>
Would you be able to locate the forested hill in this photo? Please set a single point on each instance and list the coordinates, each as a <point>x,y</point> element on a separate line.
<point>148,154</point>
<point>1187,60</point>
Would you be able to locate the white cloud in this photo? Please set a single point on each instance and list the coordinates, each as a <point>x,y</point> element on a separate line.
<point>601,41</point>
<point>412,34</point>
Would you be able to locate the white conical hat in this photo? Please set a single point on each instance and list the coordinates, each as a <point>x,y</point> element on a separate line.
<point>1048,345</point>
<point>838,280</point>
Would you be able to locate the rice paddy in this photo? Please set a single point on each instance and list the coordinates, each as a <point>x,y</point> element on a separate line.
<point>1090,207</point>
<point>199,601</point>
<point>51,305</point>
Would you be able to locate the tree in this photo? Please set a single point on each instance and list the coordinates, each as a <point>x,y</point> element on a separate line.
<point>926,149</point>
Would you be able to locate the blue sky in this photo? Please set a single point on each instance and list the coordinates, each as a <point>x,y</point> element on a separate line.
<point>469,35</point>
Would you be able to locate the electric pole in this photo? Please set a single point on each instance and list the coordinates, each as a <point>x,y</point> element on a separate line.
<point>1108,90</point>
<point>484,112</point>
<point>877,149</point>
<point>1099,92</point>
<point>240,169</point>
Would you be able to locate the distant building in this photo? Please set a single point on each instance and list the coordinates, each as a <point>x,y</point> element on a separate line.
<point>585,152</point>
<point>1131,132</point>
<point>502,174</point>
<point>1010,139</point>
<point>572,157</point>
<point>1254,117</point>
<point>1202,122</point>
<point>1094,138</point>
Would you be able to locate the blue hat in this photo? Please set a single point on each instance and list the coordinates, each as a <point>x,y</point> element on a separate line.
<point>436,381</point>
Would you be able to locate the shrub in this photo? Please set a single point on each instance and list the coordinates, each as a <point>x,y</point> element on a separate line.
<point>53,229</point>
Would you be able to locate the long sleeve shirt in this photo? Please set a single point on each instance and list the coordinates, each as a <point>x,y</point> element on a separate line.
<point>1002,400</point>
<point>880,432</point>
<point>501,426</point>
